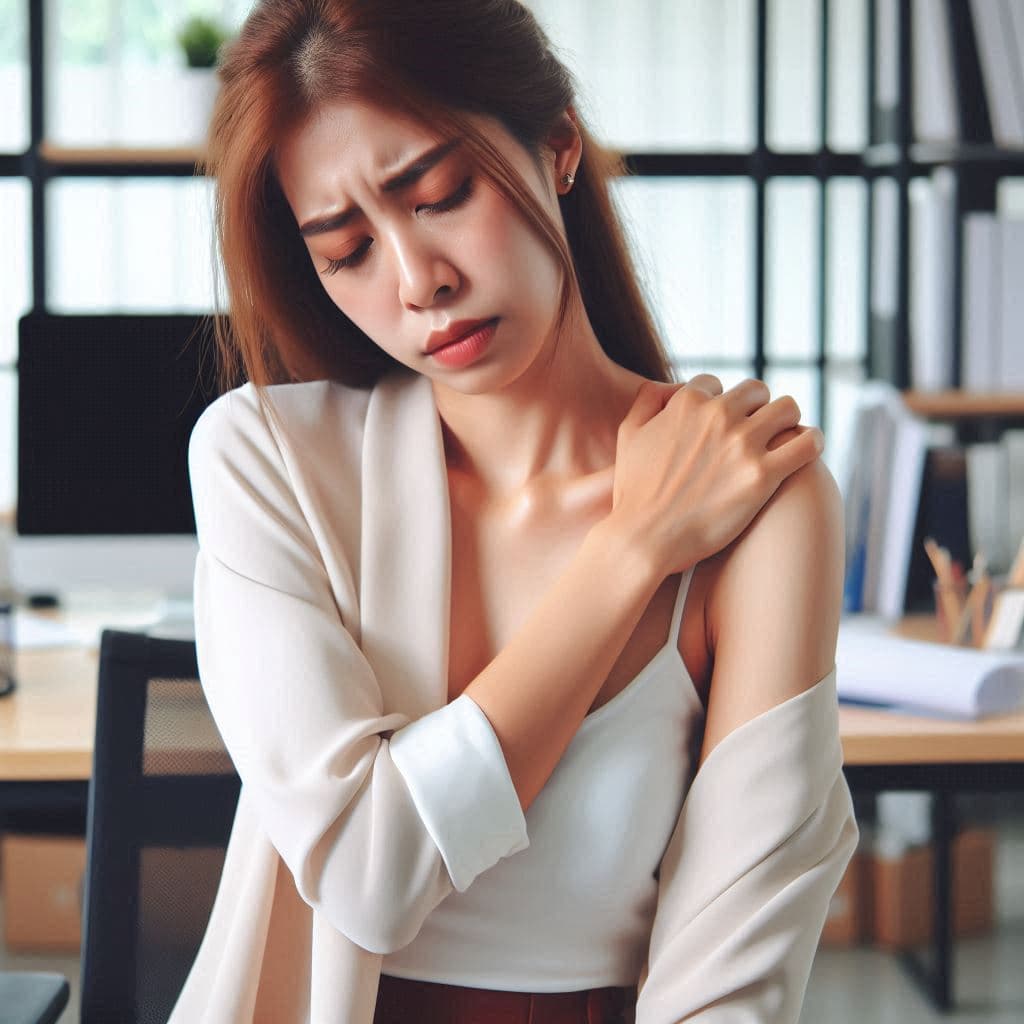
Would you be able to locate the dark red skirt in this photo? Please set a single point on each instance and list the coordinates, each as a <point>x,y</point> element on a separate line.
<point>403,1001</point>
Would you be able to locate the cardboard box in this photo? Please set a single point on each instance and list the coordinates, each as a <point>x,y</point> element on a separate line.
<point>43,881</point>
<point>903,901</point>
<point>848,921</point>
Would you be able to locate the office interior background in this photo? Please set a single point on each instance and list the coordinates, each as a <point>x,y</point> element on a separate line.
<point>748,129</point>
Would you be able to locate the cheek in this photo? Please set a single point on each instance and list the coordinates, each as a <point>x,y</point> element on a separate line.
<point>362,305</point>
<point>504,248</point>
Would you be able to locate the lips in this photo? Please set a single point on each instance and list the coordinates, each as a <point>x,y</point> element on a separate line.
<point>457,330</point>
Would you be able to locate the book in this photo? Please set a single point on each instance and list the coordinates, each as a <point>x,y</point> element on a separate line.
<point>1013,11</point>
<point>855,487</point>
<point>881,498</point>
<point>884,302</point>
<point>933,219</point>
<point>885,116</point>
<point>1013,440</point>
<point>994,31</point>
<point>1011,334</point>
<point>881,399</point>
<point>987,501</point>
<point>906,470</point>
<point>936,114</point>
<point>981,313</point>
<point>874,666</point>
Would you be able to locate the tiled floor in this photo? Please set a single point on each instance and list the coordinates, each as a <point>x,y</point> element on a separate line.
<point>860,986</point>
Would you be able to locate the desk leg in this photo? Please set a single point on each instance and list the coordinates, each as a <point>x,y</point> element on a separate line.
<point>942,833</point>
<point>936,978</point>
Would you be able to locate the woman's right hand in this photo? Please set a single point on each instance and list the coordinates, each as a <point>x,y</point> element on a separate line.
<point>694,465</point>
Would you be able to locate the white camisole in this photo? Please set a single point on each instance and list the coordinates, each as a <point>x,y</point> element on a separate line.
<point>574,909</point>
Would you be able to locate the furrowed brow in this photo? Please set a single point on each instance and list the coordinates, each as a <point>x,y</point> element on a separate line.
<point>403,179</point>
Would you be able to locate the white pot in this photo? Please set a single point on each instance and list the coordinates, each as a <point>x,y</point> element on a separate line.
<point>198,91</point>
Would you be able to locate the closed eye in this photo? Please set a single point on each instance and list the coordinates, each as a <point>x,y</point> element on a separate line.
<point>452,202</point>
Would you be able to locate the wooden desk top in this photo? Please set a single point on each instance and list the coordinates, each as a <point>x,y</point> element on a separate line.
<point>875,736</point>
<point>47,724</point>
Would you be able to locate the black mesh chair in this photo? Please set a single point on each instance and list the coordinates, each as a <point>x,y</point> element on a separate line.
<point>162,799</point>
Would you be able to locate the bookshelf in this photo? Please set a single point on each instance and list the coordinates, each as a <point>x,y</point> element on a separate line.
<point>956,477</point>
<point>977,165</point>
<point>118,159</point>
<point>958,404</point>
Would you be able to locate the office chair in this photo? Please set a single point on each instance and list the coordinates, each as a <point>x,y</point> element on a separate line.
<point>32,997</point>
<point>162,800</point>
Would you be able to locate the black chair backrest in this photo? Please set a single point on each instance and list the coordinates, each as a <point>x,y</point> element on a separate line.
<point>162,800</point>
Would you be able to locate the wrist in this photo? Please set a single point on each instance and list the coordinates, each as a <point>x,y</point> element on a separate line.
<point>630,561</point>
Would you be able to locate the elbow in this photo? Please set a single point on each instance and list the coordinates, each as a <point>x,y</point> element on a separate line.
<point>379,923</point>
<point>379,894</point>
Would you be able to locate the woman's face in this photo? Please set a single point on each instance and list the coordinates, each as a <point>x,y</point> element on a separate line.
<point>407,238</point>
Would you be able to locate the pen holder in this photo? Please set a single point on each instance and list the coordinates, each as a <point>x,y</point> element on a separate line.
<point>953,614</point>
<point>1004,629</point>
<point>6,648</point>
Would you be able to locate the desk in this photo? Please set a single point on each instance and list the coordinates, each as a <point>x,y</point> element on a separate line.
<point>890,750</point>
<point>47,726</point>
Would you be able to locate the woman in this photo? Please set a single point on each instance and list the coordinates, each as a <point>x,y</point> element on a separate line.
<point>479,587</point>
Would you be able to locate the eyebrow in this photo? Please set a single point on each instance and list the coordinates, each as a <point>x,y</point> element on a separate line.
<point>403,179</point>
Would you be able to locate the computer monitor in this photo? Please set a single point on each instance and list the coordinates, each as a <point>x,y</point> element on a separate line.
<point>106,405</point>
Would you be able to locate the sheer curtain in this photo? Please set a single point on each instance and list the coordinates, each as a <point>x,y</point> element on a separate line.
<point>653,75</point>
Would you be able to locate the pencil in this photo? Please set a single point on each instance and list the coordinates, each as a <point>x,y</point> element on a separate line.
<point>1016,574</point>
<point>978,623</point>
<point>945,587</point>
<point>971,613</point>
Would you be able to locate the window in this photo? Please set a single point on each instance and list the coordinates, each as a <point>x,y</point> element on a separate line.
<point>673,84</point>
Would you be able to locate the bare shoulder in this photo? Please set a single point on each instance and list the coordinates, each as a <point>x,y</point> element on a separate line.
<point>773,602</point>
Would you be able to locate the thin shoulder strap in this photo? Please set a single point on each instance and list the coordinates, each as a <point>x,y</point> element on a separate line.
<point>677,612</point>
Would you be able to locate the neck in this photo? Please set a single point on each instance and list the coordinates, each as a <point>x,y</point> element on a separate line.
<point>552,428</point>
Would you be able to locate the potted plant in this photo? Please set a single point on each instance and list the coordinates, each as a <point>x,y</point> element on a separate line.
<point>200,39</point>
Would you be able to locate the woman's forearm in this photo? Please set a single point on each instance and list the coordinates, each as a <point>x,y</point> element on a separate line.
<point>537,690</point>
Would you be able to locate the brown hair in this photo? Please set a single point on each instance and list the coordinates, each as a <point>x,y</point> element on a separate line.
<point>437,62</point>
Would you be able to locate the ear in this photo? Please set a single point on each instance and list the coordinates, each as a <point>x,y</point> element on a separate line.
<point>566,146</point>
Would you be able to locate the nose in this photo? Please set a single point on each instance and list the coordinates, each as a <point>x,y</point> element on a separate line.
<point>425,272</point>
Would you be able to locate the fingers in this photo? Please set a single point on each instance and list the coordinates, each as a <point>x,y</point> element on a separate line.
<point>705,382</point>
<point>789,434</point>
<point>748,397</point>
<point>772,419</point>
<point>793,448</point>
<point>648,401</point>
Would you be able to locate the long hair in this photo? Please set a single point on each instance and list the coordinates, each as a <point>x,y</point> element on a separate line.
<point>438,62</point>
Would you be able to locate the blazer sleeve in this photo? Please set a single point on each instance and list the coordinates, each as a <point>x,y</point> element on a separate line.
<point>376,831</point>
<point>762,841</point>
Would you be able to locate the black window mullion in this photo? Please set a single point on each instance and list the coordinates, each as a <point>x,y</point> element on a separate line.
<point>32,163</point>
<point>900,359</point>
<point>869,233</point>
<point>823,209</point>
<point>760,180</point>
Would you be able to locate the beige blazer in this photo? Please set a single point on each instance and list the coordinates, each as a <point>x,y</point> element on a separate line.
<point>322,591</point>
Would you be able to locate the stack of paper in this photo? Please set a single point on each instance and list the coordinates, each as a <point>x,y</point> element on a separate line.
<point>937,679</point>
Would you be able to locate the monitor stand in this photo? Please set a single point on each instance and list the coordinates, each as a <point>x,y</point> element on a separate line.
<point>89,611</point>
<point>175,620</point>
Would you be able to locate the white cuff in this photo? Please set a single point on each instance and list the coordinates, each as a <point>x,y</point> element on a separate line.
<point>456,771</point>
